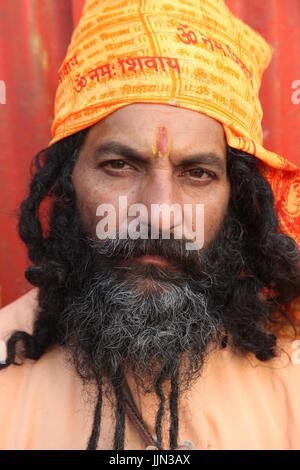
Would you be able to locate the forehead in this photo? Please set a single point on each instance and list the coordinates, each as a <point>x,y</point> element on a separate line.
<point>137,123</point>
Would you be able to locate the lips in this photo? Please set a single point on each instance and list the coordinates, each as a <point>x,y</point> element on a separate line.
<point>154,259</point>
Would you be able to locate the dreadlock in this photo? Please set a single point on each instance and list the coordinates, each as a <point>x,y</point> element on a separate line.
<point>94,437</point>
<point>272,256</point>
<point>161,409</point>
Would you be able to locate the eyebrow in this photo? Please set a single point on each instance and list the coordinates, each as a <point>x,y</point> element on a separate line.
<point>118,148</point>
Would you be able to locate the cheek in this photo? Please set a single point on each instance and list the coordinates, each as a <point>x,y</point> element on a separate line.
<point>92,192</point>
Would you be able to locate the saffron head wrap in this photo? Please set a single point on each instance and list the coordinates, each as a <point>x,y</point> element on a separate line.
<point>194,54</point>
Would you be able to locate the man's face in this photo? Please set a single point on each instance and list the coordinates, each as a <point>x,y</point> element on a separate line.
<point>179,157</point>
<point>146,304</point>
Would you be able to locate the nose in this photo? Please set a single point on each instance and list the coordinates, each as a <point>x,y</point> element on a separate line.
<point>160,195</point>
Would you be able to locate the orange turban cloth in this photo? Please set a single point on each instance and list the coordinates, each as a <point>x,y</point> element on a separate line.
<point>189,53</point>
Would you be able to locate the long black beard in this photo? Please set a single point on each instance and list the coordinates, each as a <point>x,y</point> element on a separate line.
<point>147,319</point>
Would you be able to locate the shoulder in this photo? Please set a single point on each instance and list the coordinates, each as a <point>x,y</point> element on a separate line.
<point>18,315</point>
<point>245,370</point>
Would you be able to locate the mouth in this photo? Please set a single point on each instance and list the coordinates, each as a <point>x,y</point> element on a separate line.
<point>154,259</point>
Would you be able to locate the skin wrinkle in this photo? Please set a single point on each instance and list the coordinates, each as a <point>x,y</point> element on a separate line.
<point>153,180</point>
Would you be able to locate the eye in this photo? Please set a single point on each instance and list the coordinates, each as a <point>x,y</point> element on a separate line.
<point>115,164</point>
<point>200,173</point>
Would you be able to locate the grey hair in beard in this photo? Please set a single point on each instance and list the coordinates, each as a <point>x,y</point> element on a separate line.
<point>144,318</point>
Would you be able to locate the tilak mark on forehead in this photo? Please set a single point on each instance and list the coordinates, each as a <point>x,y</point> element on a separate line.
<point>162,143</point>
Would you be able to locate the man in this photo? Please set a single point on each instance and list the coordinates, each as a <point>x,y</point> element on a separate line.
<point>134,342</point>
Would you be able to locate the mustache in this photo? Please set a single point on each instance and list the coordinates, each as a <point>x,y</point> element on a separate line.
<point>119,250</point>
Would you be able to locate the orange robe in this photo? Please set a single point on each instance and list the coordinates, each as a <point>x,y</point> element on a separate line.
<point>237,403</point>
